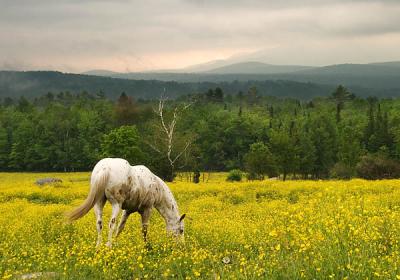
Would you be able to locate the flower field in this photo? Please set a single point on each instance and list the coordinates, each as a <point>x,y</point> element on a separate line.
<point>247,230</point>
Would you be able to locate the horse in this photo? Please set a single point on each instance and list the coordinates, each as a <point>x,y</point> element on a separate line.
<point>131,189</point>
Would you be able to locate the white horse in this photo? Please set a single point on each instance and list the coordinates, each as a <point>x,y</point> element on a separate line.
<point>132,189</point>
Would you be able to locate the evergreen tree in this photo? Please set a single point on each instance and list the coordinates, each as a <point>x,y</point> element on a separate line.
<point>306,156</point>
<point>284,151</point>
<point>370,128</point>
<point>4,148</point>
<point>259,161</point>
<point>324,137</point>
<point>126,111</point>
<point>341,95</point>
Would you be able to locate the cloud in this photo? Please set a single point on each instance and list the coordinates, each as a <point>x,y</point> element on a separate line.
<point>132,35</point>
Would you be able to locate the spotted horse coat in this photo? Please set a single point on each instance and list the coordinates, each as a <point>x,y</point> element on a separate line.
<point>131,189</point>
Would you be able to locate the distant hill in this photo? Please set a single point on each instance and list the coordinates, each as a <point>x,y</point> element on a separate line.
<point>36,83</point>
<point>206,72</point>
<point>382,76</point>
<point>100,72</point>
<point>203,67</point>
<point>378,79</point>
<point>376,69</point>
<point>374,76</point>
<point>257,68</point>
<point>389,64</point>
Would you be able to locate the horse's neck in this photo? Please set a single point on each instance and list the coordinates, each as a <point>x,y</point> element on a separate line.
<point>168,207</point>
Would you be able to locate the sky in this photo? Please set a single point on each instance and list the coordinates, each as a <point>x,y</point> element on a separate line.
<point>135,35</point>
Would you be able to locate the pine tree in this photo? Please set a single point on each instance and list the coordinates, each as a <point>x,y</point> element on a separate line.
<point>126,111</point>
<point>370,128</point>
<point>341,95</point>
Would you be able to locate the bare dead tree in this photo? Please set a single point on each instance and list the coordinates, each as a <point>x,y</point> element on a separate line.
<point>168,131</point>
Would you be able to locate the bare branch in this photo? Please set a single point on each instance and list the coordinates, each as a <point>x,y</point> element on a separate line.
<point>153,147</point>
<point>161,115</point>
<point>169,129</point>
<point>187,106</point>
<point>181,153</point>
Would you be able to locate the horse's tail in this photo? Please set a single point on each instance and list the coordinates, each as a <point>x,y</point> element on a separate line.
<point>97,187</point>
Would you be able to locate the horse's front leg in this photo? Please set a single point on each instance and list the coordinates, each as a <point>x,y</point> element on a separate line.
<point>145,214</point>
<point>116,207</point>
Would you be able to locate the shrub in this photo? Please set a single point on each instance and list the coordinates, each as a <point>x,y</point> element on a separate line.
<point>235,175</point>
<point>260,161</point>
<point>378,166</point>
<point>123,142</point>
<point>253,176</point>
<point>342,171</point>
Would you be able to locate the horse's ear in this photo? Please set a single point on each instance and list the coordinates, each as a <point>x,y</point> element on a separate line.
<point>182,217</point>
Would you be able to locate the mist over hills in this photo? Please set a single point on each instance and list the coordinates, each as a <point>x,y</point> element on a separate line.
<point>388,64</point>
<point>32,84</point>
<point>206,71</point>
<point>302,82</point>
<point>256,68</point>
<point>374,76</point>
<point>381,75</point>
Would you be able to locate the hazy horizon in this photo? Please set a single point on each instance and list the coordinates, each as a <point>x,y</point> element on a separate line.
<point>129,36</point>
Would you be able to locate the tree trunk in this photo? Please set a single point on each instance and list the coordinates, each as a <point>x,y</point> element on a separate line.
<point>170,176</point>
<point>338,109</point>
<point>196,177</point>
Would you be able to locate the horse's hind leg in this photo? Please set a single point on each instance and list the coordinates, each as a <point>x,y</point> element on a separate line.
<point>116,207</point>
<point>98,210</point>
<point>125,215</point>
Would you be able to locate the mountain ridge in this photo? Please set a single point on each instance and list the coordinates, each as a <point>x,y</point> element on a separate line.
<point>381,79</point>
<point>255,67</point>
<point>37,83</point>
<point>214,67</point>
<point>378,75</point>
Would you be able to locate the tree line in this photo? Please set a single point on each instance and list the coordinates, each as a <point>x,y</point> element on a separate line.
<point>340,136</point>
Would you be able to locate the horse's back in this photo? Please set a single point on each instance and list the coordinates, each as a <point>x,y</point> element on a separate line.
<point>141,169</point>
<point>144,175</point>
<point>134,186</point>
<point>118,170</point>
<point>151,187</point>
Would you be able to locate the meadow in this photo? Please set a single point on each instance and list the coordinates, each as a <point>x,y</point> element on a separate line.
<point>246,230</point>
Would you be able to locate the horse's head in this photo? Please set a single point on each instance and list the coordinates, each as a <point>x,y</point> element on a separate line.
<point>179,227</point>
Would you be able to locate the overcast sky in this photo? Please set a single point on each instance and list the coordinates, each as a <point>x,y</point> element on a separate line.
<point>130,35</point>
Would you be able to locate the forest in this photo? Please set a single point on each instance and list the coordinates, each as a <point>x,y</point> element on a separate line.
<point>34,83</point>
<point>361,80</point>
<point>338,136</point>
